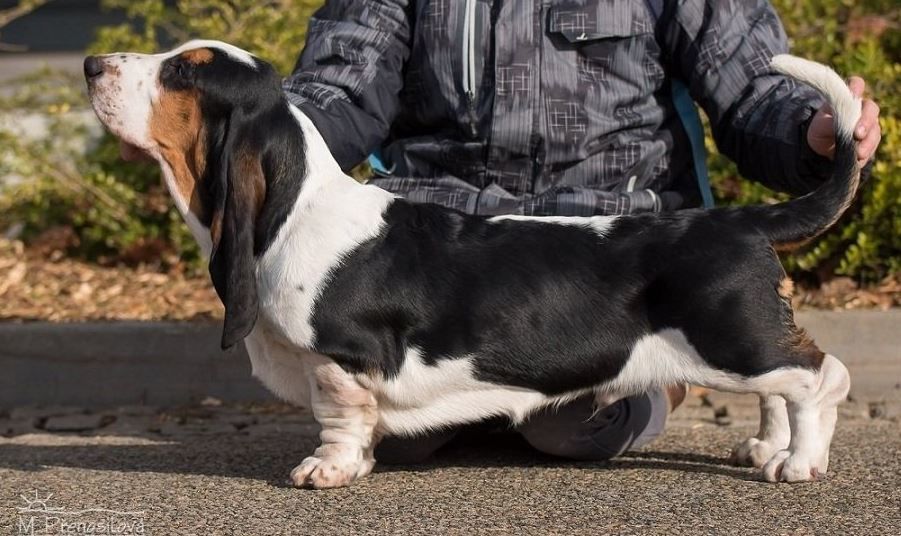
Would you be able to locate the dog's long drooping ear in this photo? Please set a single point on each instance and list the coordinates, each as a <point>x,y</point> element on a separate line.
<point>239,190</point>
<point>255,169</point>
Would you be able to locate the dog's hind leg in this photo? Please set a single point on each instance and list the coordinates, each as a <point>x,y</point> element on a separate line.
<point>774,434</point>
<point>812,406</point>
<point>348,415</point>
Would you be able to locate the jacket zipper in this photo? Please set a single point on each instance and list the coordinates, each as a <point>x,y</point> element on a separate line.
<point>469,62</point>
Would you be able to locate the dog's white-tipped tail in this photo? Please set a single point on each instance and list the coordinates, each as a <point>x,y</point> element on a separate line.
<point>790,224</point>
<point>845,105</point>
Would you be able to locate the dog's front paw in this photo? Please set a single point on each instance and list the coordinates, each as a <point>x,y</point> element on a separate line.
<point>753,452</point>
<point>329,471</point>
<point>786,466</point>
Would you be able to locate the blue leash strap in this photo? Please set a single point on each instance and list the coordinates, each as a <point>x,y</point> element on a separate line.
<point>691,122</point>
<point>377,165</point>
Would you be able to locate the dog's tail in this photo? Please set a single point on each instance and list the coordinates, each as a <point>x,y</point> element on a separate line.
<point>791,224</point>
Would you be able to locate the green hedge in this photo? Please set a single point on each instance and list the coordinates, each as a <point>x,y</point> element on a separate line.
<point>116,207</point>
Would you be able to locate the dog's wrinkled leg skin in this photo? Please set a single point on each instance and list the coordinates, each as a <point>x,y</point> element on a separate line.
<point>812,412</point>
<point>348,414</point>
<point>774,434</point>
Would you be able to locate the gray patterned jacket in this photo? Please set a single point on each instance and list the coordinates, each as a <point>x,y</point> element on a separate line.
<point>552,106</point>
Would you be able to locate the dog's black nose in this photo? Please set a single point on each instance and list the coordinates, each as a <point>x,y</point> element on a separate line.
<point>93,67</point>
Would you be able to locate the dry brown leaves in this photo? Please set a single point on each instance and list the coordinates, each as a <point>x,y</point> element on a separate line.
<point>843,293</point>
<point>37,286</point>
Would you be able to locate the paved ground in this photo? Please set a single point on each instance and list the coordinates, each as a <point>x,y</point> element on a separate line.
<point>221,470</point>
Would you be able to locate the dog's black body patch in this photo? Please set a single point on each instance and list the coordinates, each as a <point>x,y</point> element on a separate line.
<point>551,307</point>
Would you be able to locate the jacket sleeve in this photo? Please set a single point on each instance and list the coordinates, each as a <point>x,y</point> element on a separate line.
<point>722,49</point>
<point>350,72</point>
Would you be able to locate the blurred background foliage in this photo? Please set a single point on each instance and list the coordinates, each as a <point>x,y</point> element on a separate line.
<point>101,208</point>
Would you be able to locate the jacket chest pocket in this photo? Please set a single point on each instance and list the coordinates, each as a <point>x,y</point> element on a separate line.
<point>607,36</point>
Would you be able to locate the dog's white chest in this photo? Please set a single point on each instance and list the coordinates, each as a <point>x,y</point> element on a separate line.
<point>326,224</point>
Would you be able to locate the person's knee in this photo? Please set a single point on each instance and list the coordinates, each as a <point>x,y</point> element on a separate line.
<point>578,431</point>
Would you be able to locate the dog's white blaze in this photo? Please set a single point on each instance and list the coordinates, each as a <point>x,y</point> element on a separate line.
<point>600,224</point>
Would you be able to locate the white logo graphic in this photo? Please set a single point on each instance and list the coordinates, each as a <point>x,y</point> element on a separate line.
<point>38,518</point>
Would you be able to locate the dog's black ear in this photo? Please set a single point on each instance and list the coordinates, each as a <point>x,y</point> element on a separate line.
<point>238,192</point>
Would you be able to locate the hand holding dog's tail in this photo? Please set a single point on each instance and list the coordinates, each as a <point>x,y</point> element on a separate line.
<point>795,222</point>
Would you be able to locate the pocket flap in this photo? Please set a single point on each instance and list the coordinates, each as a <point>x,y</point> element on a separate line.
<point>585,20</point>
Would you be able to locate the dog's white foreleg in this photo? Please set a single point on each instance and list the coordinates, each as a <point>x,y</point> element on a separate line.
<point>348,414</point>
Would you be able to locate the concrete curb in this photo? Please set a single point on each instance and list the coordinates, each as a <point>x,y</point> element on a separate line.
<point>169,363</point>
<point>98,364</point>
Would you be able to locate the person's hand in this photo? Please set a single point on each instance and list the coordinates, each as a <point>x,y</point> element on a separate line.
<point>821,133</point>
<point>130,153</point>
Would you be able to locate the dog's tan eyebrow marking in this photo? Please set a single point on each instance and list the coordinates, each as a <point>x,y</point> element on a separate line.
<point>198,56</point>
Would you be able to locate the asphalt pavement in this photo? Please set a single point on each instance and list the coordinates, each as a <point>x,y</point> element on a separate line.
<point>205,479</point>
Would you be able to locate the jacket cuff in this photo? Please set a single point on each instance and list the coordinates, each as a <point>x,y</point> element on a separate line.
<point>813,168</point>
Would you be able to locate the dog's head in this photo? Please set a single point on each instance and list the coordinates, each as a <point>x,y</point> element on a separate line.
<point>215,119</point>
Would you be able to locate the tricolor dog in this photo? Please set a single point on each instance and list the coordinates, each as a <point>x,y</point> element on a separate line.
<point>388,317</point>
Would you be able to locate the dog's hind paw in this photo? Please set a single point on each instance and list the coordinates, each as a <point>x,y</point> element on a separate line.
<point>788,467</point>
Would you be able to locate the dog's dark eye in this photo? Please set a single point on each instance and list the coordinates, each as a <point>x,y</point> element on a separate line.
<point>183,70</point>
<point>178,74</point>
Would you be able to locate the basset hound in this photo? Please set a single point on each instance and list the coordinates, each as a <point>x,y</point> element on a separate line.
<point>388,317</point>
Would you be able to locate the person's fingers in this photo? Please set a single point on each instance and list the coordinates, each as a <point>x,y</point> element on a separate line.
<point>867,148</point>
<point>869,119</point>
<point>857,86</point>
